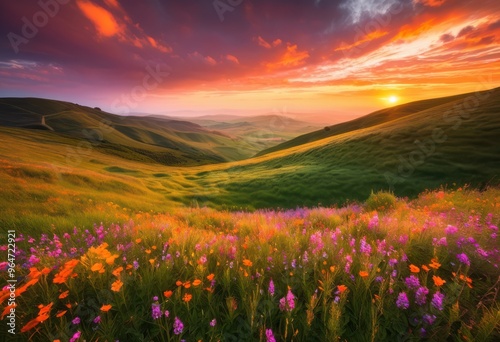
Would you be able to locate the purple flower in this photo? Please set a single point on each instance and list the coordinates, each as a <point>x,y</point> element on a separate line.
<point>97,320</point>
<point>421,295</point>
<point>393,262</point>
<point>178,326</point>
<point>450,229</point>
<point>437,300</point>
<point>429,319</point>
<point>365,247</point>
<point>271,287</point>
<point>463,258</point>
<point>270,336</point>
<point>287,303</point>
<point>135,264</point>
<point>155,311</point>
<point>75,337</point>
<point>167,313</point>
<point>213,322</point>
<point>412,282</point>
<point>373,222</point>
<point>402,301</point>
<point>76,320</point>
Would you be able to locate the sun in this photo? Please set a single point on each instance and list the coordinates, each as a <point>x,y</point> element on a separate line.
<point>392,99</point>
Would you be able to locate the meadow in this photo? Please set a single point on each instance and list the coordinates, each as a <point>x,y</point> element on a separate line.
<point>387,269</point>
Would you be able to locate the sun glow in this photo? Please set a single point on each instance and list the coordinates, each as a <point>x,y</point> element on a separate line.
<point>392,99</point>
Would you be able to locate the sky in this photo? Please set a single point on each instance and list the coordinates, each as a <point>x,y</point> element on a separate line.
<point>318,59</point>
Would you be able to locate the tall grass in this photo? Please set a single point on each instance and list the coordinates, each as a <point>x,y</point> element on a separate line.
<point>425,269</point>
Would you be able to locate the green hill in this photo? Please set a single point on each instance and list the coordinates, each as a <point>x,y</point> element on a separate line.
<point>52,178</point>
<point>406,149</point>
<point>166,141</point>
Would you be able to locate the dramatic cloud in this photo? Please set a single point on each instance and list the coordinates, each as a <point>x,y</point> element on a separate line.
<point>310,56</point>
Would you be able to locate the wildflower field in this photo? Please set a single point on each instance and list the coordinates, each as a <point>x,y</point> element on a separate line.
<point>385,270</point>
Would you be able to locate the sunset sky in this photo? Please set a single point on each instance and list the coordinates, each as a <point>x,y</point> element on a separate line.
<point>326,60</point>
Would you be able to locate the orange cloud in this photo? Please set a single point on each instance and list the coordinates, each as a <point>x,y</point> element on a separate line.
<point>291,58</point>
<point>158,46</point>
<point>103,20</point>
<point>198,57</point>
<point>430,3</point>
<point>112,3</point>
<point>262,42</point>
<point>233,59</point>
<point>366,39</point>
<point>277,42</point>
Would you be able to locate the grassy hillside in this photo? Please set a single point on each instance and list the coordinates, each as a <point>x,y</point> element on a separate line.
<point>52,179</point>
<point>261,132</point>
<point>166,141</point>
<point>370,120</point>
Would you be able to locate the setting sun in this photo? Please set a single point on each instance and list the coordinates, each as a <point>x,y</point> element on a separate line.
<point>392,99</point>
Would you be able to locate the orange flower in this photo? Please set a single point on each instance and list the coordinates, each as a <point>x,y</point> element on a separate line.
<point>178,283</point>
<point>332,269</point>
<point>414,269</point>
<point>168,293</point>
<point>138,240</point>
<point>30,325</point>
<point>110,260</point>
<point>341,288</point>
<point>210,277</point>
<point>247,262</point>
<point>196,282</point>
<point>434,264</point>
<point>42,318</point>
<point>425,268</point>
<point>116,286</point>
<point>363,274</point>
<point>438,281</point>
<point>97,267</point>
<point>187,284</point>
<point>34,273</point>
<point>64,294</point>
<point>117,271</point>
<point>105,308</point>
<point>61,313</point>
<point>68,305</point>
<point>187,297</point>
<point>148,251</point>
<point>44,309</point>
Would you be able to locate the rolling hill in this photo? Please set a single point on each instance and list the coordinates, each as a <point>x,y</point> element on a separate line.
<point>450,142</point>
<point>261,131</point>
<point>147,139</point>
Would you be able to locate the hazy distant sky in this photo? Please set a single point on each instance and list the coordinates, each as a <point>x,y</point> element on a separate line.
<point>334,58</point>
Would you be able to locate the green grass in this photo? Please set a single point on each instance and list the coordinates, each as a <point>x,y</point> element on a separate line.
<point>204,264</point>
<point>334,170</point>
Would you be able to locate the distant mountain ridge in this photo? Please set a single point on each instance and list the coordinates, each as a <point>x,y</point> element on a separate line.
<point>155,138</point>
